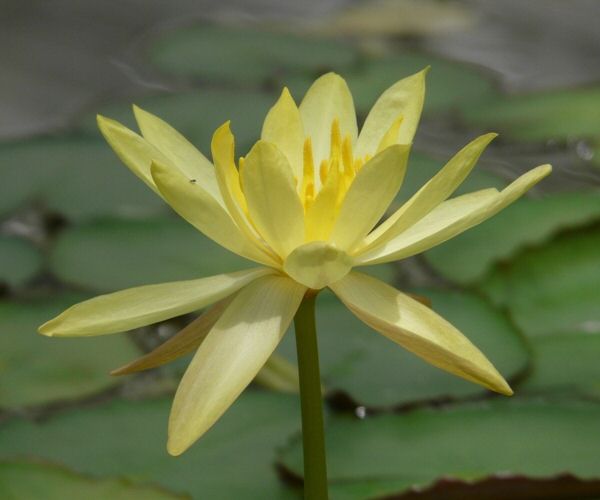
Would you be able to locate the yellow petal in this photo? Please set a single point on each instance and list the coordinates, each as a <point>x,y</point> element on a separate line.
<point>452,218</point>
<point>317,264</point>
<point>370,194</point>
<point>283,127</point>
<point>279,374</point>
<point>436,190</point>
<point>418,329</point>
<point>186,340</point>
<point>183,154</point>
<point>231,355</point>
<point>322,213</point>
<point>200,209</point>
<point>144,305</point>
<point>328,98</point>
<point>405,98</point>
<point>132,149</point>
<point>223,150</point>
<point>273,202</point>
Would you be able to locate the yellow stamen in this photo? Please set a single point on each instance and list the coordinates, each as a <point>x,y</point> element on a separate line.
<point>324,171</point>
<point>336,139</point>
<point>347,154</point>
<point>308,172</point>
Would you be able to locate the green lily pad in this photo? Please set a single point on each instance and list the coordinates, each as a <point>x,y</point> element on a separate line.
<point>466,258</point>
<point>197,114</point>
<point>375,372</point>
<point>558,114</point>
<point>244,55</point>
<point>451,86</point>
<point>233,460</point>
<point>36,369</point>
<point>111,254</point>
<point>73,176</point>
<point>554,288</point>
<point>467,442</point>
<point>19,260</point>
<point>21,480</point>
<point>565,364</point>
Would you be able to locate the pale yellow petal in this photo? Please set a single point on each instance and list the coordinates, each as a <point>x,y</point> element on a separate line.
<point>186,340</point>
<point>144,305</point>
<point>200,209</point>
<point>327,99</point>
<point>436,190</point>
<point>418,329</point>
<point>322,213</point>
<point>370,194</point>
<point>283,127</point>
<point>182,153</point>
<point>273,202</point>
<point>279,374</point>
<point>317,264</point>
<point>454,214</point>
<point>231,355</point>
<point>223,150</point>
<point>451,218</point>
<point>405,98</point>
<point>132,149</point>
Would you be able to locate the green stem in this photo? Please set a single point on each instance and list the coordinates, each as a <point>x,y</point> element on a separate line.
<point>313,438</point>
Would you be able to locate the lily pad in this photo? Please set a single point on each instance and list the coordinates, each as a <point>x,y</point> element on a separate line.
<point>196,114</point>
<point>565,364</point>
<point>235,54</point>
<point>554,288</point>
<point>36,369</point>
<point>375,372</point>
<point>19,260</point>
<point>111,254</point>
<point>233,460</point>
<point>558,114</point>
<point>21,480</point>
<point>73,176</point>
<point>466,258</point>
<point>468,442</point>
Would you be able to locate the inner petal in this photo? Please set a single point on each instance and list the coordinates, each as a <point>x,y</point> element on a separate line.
<point>317,264</point>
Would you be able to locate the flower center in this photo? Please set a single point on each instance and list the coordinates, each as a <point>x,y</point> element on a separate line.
<point>335,173</point>
<point>317,264</point>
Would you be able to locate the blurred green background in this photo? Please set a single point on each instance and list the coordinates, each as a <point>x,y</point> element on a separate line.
<point>524,286</point>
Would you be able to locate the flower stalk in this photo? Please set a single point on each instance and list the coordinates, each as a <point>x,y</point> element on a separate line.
<point>313,437</point>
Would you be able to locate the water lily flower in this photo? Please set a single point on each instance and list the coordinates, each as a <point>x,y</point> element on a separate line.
<point>304,204</point>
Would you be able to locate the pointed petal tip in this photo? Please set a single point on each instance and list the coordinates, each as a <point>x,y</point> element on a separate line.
<point>46,329</point>
<point>174,450</point>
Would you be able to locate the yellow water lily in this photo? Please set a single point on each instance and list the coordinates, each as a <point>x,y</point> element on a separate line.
<point>304,204</point>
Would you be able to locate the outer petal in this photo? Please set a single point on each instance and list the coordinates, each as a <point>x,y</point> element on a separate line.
<point>200,209</point>
<point>186,340</point>
<point>183,154</point>
<point>328,98</point>
<point>223,150</point>
<point>436,190</point>
<point>283,127</point>
<point>273,202</point>
<point>231,355</point>
<point>418,329</point>
<point>452,218</point>
<point>371,192</point>
<point>132,149</point>
<point>405,98</point>
<point>143,305</point>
